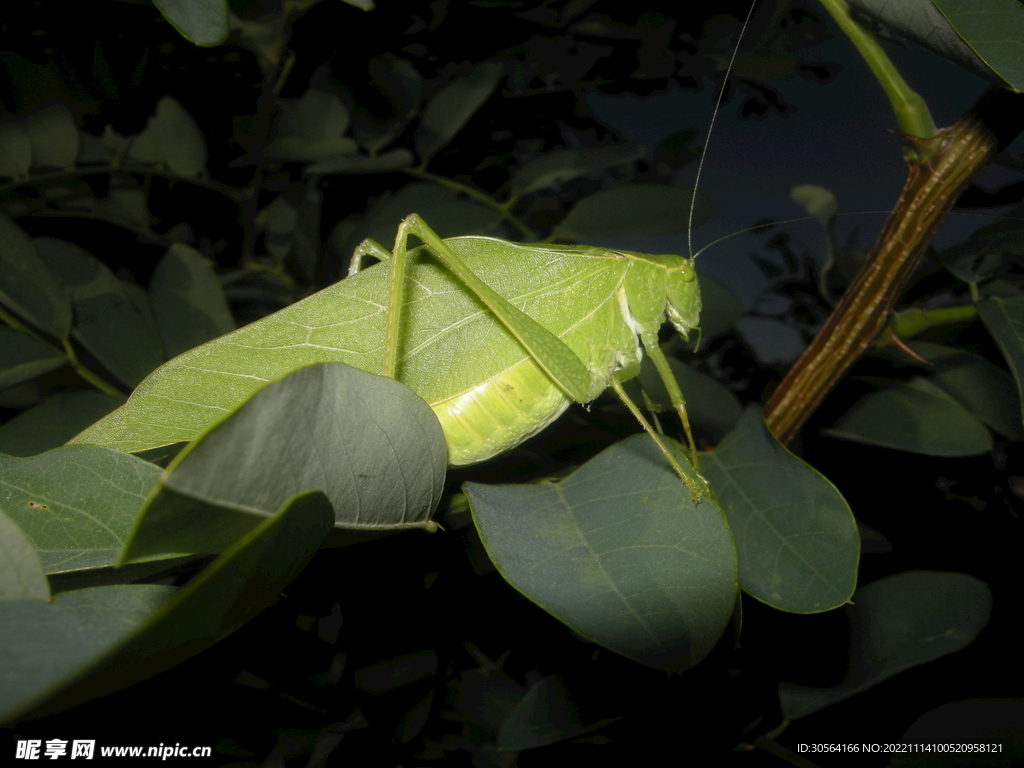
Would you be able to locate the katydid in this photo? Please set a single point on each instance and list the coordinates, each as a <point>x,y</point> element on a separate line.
<point>497,337</point>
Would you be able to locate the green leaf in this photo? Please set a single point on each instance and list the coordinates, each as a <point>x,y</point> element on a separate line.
<point>897,623</point>
<point>450,109</point>
<point>54,421</point>
<point>42,645</point>
<point>28,285</point>
<point>187,300</point>
<point>817,201</point>
<point>54,137</point>
<point>203,22</point>
<point>15,151</point>
<point>544,715</point>
<point>21,573</point>
<point>369,443</point>
<point>563,165</point>
<point>91,642</point>
<point>22,357</point>
<point>918,417</point>
<point>1005,321</point>
<point>994,29</point>
<point>796,538</point>
<point>619,552</point>
<point>400,88</point>
<point>638,210</point>
<point>182,144</point>
<point>979,386</point>
<point>106,321</point>
<point>77,503</point>
<point>922,22</point>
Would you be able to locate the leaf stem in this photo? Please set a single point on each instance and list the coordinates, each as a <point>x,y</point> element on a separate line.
<point>88,375</point>
<point>912,115</point>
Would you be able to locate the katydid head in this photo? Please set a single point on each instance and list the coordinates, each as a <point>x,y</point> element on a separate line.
<point>659,285</point>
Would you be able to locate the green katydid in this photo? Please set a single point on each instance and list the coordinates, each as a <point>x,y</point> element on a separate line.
<point>499,338</point>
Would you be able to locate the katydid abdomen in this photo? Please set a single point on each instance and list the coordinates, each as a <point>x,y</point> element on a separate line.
<point>488,393</point>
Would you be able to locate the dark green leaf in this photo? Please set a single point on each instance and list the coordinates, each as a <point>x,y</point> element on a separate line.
<point>979,386</point>
<point>15,151</point>
<point>76,503</point>
<point>182,144</point>
<point>544,715</point>
<point>106,321</point>
<point>54,421</point>
<point>42,645</point>
<point>796,538</point>
<point>639,210</point>
<point>448,111</point>
<point>188,301</point>
<point>22,357</point>
<point>91,642</point>
<point>619,552</point>
<point>203,22</point>
<point>899,622</point>
<point>994,29</point>
<point>921,21</point>
<point>371,445</point>
<point>1005,321</point>
<point>28,285</point>
<point>21,573</point>
<point>918,417</point>
<point>54,137</point>
<point>562,165</point>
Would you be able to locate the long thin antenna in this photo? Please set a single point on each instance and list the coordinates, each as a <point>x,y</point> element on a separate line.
<point>711,128</point>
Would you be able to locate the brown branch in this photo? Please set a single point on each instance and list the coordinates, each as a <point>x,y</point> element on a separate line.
<point>956,156</point>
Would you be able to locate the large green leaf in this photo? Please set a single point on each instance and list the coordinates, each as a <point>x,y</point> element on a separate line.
<point>23,357</point>
<point>619,552</point>
<point>638,210</point>
<point>1005,321</point>
<point>204,22</point>
<point>54,421</point>
<point>28,285</point>
<point>188,301</point>
<point>796,538</point>
<point>899,622</point>
<point>720,309</point>
<point>94,641</point>
<point>77,503</point>
<point>918,417</point>
<point>369,443</point>
<point>107,322</point>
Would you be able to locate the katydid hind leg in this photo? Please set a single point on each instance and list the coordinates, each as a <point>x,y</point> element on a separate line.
<point>557,360</point>
<point>650,342</point>
<point>692,481</point>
